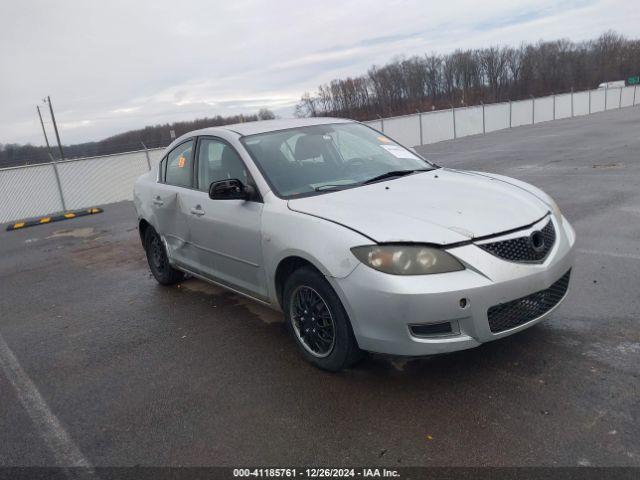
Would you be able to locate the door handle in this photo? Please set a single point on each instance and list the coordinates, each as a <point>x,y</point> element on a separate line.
<point>197,210</point>
<point>158,201</point>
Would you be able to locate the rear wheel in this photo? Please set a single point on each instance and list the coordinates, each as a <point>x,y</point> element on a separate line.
<point>158,260</point>
<point>318,322</point>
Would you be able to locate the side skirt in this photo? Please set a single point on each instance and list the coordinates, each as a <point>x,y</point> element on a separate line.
<point>225,286</point>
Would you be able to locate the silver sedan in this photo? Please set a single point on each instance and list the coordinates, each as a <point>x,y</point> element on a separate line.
<point>363,244</point>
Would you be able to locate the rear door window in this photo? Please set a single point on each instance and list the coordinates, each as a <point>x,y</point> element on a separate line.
<point>180,165</point>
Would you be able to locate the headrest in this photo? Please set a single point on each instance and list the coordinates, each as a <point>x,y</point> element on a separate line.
<point>311,146</point>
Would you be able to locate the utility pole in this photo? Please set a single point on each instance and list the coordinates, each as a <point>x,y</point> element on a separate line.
<point>146,152</point>
<point>46,139</point>
<point>53,160</point>
<point>55,128</point>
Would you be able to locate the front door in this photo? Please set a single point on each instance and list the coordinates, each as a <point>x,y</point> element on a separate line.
<point>226,233</point>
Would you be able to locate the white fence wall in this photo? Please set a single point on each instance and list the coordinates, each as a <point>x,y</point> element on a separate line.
<point>580,104</point>
<point>459,122</point>
<point>469,121</point>
<point>543,109</point>
<point>521,113</point>
<point>613,98</point>
<point>33,190</point>
<point>100,180</point>
<point>405,129</point>
<point>28,192</point>
<point>437,126</point>
<point>563,106</point>
<point>597,100</point>
<point>377,124</point>
<point>497,116</point>
<point>627,96</point>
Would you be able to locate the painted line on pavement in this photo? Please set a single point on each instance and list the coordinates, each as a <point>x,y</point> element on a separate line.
<point>65,451</point>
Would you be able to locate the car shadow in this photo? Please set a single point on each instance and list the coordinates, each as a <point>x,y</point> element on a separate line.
<point>523,349</point>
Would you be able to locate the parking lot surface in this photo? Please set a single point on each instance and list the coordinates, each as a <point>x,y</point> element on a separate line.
<point>133,373</point>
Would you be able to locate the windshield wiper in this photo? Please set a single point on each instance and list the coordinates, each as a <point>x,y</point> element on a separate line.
<point>394,173</point>
<point>333,188</point>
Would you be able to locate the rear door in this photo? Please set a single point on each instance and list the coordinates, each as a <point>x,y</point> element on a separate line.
<point>226,233</point>
<point>168,202</point>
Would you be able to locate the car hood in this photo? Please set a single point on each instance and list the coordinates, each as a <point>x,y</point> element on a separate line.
<point>440,206</point>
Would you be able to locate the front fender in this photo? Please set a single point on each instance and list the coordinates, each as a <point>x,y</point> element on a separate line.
<point>324,244</point>
<point>532,189</point>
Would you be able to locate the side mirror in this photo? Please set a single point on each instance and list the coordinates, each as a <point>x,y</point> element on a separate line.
<point>232,189</point>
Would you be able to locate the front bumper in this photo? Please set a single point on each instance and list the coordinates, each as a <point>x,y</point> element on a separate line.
<point>382,306</point>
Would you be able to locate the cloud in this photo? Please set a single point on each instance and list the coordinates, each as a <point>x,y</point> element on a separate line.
<point>72,125</point>
<point>125,110</point>
<point>112,66</point>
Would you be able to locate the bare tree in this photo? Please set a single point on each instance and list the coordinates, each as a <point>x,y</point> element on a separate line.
<point>265,114</point>
<point>470,76</point>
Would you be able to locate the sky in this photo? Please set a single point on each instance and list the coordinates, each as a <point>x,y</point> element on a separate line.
<point>111,66</point>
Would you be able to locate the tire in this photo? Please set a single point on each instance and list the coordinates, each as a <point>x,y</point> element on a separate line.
<point>158,260</point>
<point>311,329</point>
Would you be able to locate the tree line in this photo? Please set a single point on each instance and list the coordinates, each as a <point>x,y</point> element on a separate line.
<point>469,77</point>
<point>150,136</point>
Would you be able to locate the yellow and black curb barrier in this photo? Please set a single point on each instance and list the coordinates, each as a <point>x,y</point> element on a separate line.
<point>53,218</point>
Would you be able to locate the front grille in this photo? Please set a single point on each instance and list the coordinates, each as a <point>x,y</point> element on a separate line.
<point>522,249</point>
<point>516,312</point>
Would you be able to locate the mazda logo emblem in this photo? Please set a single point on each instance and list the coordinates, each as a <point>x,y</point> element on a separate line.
<point>536,239</point>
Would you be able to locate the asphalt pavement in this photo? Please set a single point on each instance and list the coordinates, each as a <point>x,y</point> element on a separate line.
<point>127,372</point>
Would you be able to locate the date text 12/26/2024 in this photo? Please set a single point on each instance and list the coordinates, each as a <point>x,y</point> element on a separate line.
<point>315,473</point>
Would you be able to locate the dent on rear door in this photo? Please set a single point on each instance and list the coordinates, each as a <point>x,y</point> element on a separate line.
<point>168,207</point>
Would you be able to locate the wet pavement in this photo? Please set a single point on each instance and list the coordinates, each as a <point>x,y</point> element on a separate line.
<point>140,374</point>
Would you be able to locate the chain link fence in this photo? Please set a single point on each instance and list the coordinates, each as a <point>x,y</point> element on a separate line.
<point>34,190</point>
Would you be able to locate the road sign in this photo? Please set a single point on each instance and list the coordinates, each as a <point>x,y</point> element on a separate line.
<point>634,80</point>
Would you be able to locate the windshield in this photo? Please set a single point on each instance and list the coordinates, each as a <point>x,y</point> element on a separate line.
<point>323,158</point>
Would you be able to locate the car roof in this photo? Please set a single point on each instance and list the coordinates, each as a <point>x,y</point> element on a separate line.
<point>263,126</point>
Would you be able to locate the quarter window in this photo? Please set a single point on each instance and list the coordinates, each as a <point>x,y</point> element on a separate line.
<point>218,161</point>
<point>180,165</point>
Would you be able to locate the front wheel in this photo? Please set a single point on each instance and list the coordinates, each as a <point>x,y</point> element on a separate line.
<point>318,322</point>
<point>158,260</point>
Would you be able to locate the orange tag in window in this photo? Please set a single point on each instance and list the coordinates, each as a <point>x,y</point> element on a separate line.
<point>182,161</point>
<point>384,139</point>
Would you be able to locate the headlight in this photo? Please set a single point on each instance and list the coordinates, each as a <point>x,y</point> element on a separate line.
<point>407,259</point>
